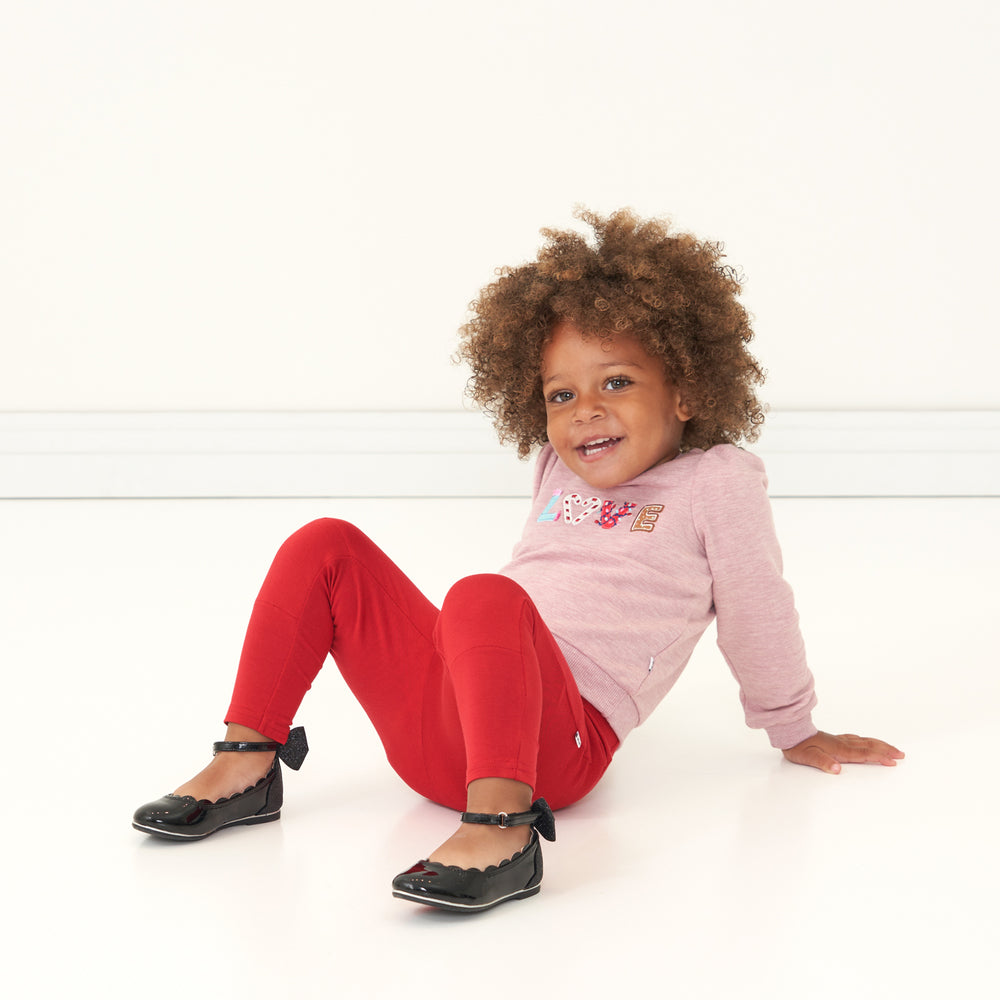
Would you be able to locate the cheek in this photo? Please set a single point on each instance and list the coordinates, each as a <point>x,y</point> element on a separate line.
<point>552,426</point>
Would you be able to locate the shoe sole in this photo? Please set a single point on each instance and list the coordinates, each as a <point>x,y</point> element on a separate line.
<point>466,907</point>
<point>157,831</point>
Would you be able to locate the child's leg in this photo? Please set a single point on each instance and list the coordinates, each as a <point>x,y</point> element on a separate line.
<point>500,681</point>
<point>507,672</point>
<point>329,590</point>
<point>476,682</point>
<point>527,731</point>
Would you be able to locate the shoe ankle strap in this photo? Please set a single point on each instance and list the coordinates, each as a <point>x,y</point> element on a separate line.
<point>540,817</point>
<point>292,752</point>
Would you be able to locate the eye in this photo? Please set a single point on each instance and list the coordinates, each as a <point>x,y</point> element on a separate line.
<point>617,382</point>
<point>563,396</point>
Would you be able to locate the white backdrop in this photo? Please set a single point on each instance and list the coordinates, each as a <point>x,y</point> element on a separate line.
<point>233,205</point>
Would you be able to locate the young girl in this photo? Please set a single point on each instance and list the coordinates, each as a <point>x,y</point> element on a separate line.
<point>625,359</point>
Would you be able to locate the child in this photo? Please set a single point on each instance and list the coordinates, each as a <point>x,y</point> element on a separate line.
<point>626,361</point>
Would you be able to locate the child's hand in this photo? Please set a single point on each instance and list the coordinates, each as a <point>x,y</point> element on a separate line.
<point>828,752</point>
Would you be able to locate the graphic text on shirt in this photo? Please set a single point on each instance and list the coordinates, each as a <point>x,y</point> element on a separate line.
<point>575,509</point>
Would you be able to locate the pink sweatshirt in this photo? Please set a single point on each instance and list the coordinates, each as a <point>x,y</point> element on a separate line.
<point>627,582</point>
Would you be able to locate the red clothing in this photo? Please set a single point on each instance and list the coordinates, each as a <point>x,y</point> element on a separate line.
<point>477,689</point>
<point>627,583</point>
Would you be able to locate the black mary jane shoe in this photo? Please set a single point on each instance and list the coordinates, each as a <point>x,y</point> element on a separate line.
<point>183,817</point>
<point>469,890</point>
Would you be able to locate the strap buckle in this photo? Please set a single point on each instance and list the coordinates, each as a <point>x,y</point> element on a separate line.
<point>540,817</point>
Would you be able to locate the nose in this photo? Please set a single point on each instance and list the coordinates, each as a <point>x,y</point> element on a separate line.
<point>588,407</point>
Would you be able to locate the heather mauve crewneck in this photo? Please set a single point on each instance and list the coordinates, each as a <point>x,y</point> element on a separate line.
<point>628,579</point>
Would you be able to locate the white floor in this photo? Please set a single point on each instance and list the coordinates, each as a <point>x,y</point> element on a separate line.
<point>704,865</point>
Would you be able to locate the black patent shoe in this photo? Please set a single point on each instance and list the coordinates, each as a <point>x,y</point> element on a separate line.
<point>469,890</point>
<point>182,817</point>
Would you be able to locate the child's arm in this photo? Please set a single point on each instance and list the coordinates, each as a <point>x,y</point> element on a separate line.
<point>756,620</point>
<point>828,752</point>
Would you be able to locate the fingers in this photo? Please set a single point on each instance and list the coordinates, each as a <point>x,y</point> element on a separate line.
<point>827,752</point>
<point>852,749</point>
<point>813,755</point>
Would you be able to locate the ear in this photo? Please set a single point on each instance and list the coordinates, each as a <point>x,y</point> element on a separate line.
<point>684,411</point>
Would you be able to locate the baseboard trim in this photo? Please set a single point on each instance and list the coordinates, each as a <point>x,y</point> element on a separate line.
<point>453,454</point>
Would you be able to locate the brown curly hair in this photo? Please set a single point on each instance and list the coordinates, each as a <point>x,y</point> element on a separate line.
<point>668,290</point>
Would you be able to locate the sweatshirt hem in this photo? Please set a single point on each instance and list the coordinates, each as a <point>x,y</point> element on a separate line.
<point>602,691</point>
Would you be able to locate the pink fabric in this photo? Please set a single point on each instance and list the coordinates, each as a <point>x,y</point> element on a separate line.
<point>479,689</point>
<point>629,580</point>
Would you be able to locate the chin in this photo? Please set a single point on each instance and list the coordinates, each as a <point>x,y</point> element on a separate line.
<point>598,482</point>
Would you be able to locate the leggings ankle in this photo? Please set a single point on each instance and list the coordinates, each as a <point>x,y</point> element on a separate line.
<point>478,689</point>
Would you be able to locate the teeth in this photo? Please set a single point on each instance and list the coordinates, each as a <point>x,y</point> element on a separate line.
<point>594,446</point>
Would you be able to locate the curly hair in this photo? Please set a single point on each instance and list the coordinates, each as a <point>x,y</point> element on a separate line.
<point>669,290</point>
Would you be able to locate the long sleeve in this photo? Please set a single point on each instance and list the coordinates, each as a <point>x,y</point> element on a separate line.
<point>758,626</point>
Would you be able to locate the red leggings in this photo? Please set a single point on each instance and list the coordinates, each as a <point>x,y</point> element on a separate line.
<point>478,689</point>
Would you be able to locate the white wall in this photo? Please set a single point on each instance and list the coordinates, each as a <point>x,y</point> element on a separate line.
<point>223,204</point>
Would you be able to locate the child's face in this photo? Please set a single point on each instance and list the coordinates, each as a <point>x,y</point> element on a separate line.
<point>611,412</point>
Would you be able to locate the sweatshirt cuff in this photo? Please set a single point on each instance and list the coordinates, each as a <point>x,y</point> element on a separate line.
<point>792,733</point>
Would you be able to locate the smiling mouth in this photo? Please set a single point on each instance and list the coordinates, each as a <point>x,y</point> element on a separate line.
<point>593,449</point>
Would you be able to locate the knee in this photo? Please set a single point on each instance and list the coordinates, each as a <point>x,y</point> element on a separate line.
<point>326,527</point>
<point>322,537</point>
<point>483,594</point>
